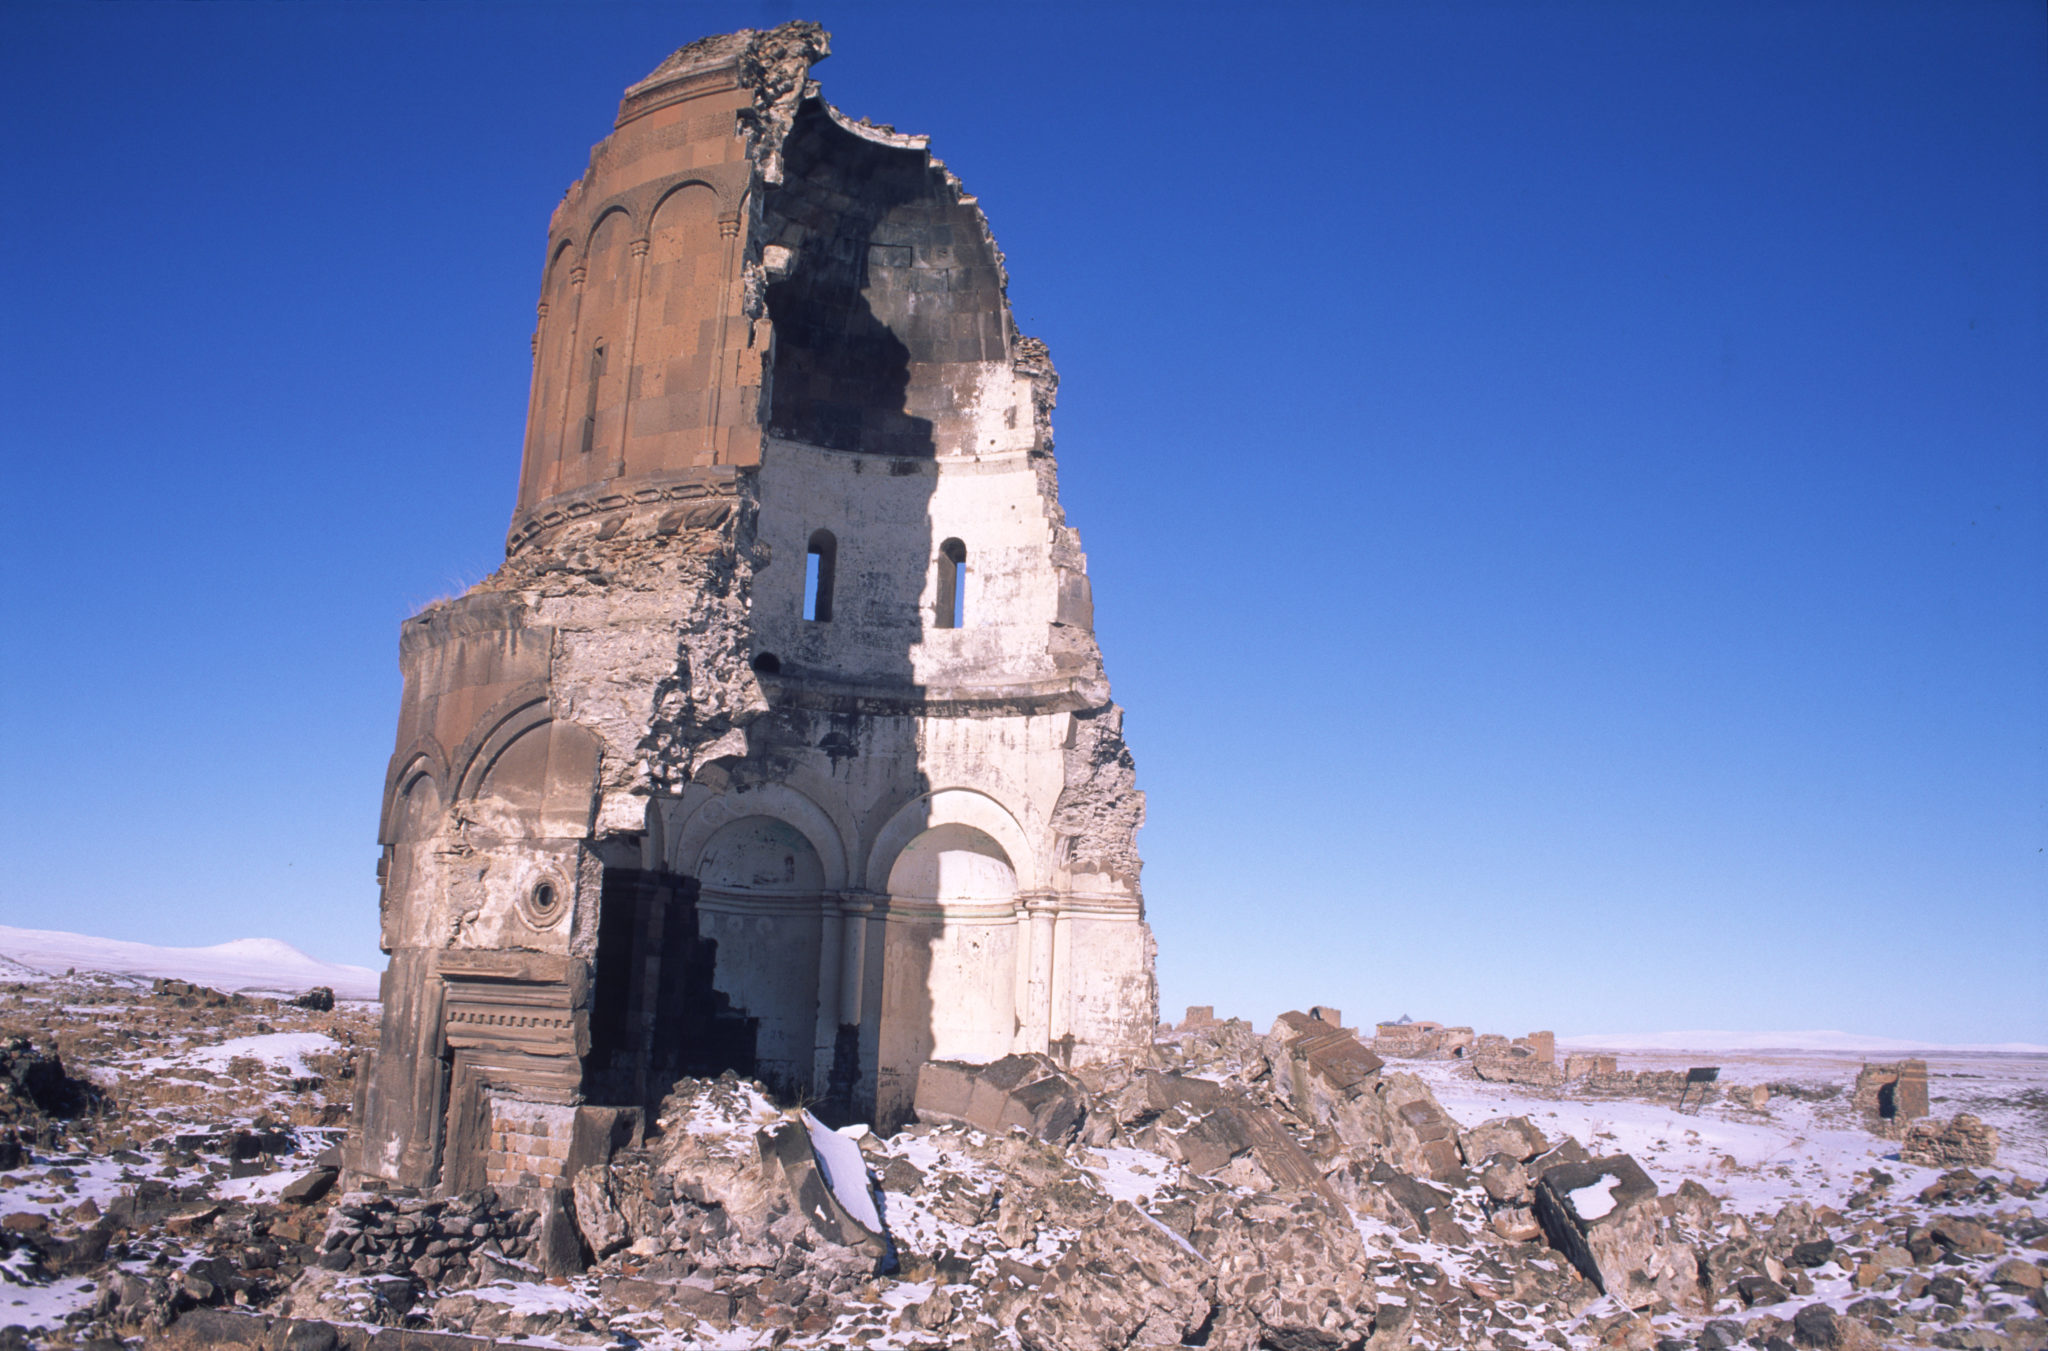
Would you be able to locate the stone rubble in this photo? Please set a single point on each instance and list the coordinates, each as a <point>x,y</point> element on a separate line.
<point>1230,1190</point>
<point>1962,1141</point>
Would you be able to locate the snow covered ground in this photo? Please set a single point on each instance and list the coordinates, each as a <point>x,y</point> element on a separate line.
<point>1805,1144</point>
<point>246,965</point>
<point>1854,1042</point>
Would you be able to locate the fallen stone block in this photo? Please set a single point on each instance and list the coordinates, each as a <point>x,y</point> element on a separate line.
<point>2017,1276</point>
<point>1815,1325</point>
<point>1504,1179</point>
<point>1415,1196</point>
<point>1602,1215</point>
<point>1328,1076</point>
<point>830,1209</point>
<point>597,1214</point>
<point>1809,1255</point>
<point>1761,1290</point>
<point>1515,1136</point>
<point>1564,1152</point>
<point>309,1188</point>
<point>1965,1236</point>
<point>1216,1132</point>
<point>1019,1092</point>
<point>1422,1137</point>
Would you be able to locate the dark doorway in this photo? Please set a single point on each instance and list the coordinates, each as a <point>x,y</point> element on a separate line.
<point>654,1014</point>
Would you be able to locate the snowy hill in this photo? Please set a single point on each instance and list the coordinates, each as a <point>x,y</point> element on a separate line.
<point>248,965</point>
<point>1851,1042</point>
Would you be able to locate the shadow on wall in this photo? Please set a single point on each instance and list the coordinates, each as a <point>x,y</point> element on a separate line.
<point>846,315</point>
<point>764,951</point>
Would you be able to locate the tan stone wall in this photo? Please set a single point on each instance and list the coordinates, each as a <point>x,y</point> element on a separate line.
<point>530,1143</point>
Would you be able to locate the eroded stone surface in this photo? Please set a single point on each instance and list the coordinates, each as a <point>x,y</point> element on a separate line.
<point>781,743</point>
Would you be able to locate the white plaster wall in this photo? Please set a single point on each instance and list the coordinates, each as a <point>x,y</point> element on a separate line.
<point>1105,991</point>
<point>768,966</point>
<point>889,526</point>
<point>972,985</point>
<point>760,878</point>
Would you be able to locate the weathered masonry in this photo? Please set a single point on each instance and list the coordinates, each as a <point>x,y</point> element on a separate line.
<point>781,742</point>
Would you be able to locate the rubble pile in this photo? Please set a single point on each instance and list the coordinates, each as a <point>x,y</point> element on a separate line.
<point>164,1148</point>
<point>1231,1190</point>
<point>1961,1141</point>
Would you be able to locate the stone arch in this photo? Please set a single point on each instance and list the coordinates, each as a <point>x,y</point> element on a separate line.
<point>760,899</point>
<point>779,801</point>
<point>954,862</point>
<point>949,958</point>
<point>515,714</point>
<point>759,856</point>
<point>953,806</point>
<point>422,757</point>
<point>413,818</point>
<point>675,348</point>
<point>537,773</point>
<point>598,221</point>
<point>664,193</point>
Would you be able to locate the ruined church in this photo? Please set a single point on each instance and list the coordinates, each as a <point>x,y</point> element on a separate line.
<point>781,742</point>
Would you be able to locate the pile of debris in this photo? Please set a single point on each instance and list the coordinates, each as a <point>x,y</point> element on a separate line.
<point>1231,1190</point>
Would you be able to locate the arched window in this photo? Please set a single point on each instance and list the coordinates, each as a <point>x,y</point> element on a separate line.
<point>952,606</point>
<point>818,569</point>
<point>590,395</point>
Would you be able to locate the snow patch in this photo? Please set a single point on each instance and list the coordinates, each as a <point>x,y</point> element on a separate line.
<point>283,1051</point>
<point>532,1297</point>
<point>846,1172</point>
<point>1778,1041</point>
<point>1134,1175</point>
<point>1591,1202</point>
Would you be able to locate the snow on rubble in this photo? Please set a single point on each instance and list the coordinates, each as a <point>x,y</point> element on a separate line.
<point>284,1052</point>
<point>1233,1188</point>
<point>1829,1040</point>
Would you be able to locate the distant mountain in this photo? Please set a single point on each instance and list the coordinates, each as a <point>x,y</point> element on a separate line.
<point>248,965</point>
<point>1779,1041</point>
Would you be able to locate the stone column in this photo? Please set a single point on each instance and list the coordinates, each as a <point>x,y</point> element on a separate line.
<point>638,248</point>
<point>714,432</point>
<point>554,474</point>
<point>831,961</point>
<point>1035,936</point>
<point>853,966</point>
<point>1059,1020</point>
<point>530,468</point>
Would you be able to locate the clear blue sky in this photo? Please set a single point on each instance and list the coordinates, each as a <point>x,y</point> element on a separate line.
<point>1564,483</point>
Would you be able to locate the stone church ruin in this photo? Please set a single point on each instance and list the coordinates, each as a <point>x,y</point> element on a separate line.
<point>781,742</point>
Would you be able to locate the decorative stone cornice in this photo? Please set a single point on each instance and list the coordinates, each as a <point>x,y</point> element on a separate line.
<point>616,496</point>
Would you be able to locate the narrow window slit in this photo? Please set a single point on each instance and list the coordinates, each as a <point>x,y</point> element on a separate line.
<point>590,395</point>
<point>952,606</point>
<point>819,565</point>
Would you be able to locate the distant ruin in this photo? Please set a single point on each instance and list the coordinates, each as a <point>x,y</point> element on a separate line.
<point>781,742</point>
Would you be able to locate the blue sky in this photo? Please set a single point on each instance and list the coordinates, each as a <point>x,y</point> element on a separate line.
<point>1564,483</point>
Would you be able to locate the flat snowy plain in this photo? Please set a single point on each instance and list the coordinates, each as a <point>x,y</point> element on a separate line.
<point>254,966</point>
<point>1806,1144</point>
